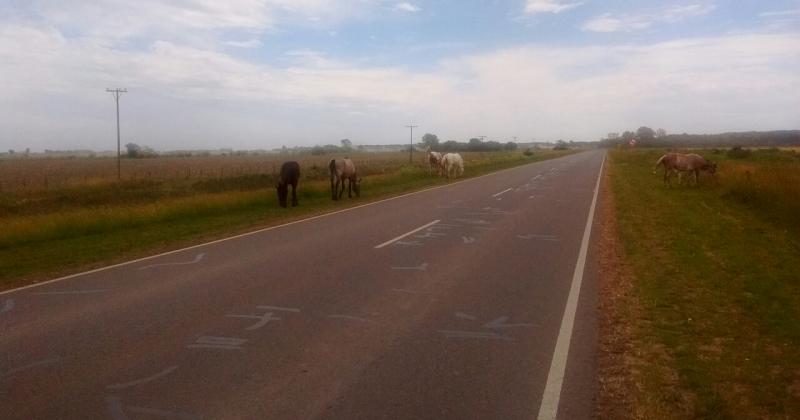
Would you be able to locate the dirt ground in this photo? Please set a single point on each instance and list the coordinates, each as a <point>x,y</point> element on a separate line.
<point>615,395</point>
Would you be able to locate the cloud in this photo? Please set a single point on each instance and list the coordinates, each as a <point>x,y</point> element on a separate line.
<point>634,22</point>
<point>780,13</point>
<point>251,43</point>
<point>183,96</point>
<point>533,7</point>
<point>407,7</point>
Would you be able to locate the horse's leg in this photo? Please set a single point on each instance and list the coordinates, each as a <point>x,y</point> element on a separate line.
<point>294,194</point>
<point>341,191</point>
<point>333,187</point>
<point>349,188</point>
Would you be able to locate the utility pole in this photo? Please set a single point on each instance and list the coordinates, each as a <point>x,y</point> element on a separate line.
<point>411,143</point>
<point>117,93</point>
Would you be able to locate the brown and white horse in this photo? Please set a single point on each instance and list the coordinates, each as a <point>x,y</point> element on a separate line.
<point>433,161</point>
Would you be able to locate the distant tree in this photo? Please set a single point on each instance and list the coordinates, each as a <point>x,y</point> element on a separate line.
<point>451,146</point>
<point>475,145</point>
<point>133,150</point>
<point>510,146</point>
<point>346,144</point>
<point>10,151</point>
<point>660,133</point>
<point>430,140</point>
<point>318,150</point>
<point>628,136</point>
<point>560,145</point>
<point>613,136</point>
<point>645,135</point>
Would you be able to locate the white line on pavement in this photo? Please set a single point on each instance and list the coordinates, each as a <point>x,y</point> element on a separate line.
<point>389,242</point>
<point>502,192</point>
<point>555,378</point>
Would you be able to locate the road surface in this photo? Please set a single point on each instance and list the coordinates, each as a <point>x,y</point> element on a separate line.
<point>447,303</point>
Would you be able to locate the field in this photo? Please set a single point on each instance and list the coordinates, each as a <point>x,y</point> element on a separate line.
<point>83,218</point>
<point>704,295</point>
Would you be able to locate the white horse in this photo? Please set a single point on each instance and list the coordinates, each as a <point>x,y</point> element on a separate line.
<point>452,164</point>
<point>433,160</point>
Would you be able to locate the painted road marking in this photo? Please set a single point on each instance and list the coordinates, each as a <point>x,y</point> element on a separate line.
<point>30,366</point>
<point>555,378</point>
<point>421,267</point>
<point>502,192</point>
<point>262,319</point>
<point>72,292</point>
<point>407,233</point>
<point>150,378</point>
<point>462,315</point>
<point>474,334</point>
<point>224,343</point>
<point>353,318</point>
<point>500,323</point>
<point>7,306</point>
<point>194,261</point>
<point>267,229</point>
<point>278,308</point>
<point>552,238</point>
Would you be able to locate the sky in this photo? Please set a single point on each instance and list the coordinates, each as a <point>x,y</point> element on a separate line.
<point>261,74</point>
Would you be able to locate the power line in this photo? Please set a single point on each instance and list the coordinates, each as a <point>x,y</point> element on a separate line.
<point>411,143</point>
<point>117,93</point>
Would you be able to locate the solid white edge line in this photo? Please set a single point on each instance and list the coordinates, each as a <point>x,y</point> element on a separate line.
<point>555,378</point>
<point>406,234</point>
<point>5,292</point>
<point>502,192</point>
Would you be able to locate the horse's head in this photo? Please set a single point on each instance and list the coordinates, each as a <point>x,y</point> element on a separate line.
<point>283,192</point>
<point>711,167</point>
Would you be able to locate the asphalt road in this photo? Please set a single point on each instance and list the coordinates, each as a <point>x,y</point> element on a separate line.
<point>315,319</point>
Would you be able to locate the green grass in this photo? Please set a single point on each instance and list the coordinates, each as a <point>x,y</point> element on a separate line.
<point>716,276</point>
<point>72,229</point>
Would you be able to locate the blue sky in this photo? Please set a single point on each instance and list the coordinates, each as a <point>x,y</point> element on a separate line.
<point>264,73</point>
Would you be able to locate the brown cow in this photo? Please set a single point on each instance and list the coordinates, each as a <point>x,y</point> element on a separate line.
<point>678,162</point>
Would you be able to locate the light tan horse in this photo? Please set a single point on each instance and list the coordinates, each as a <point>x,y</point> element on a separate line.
<point>678,163</point>
<point>344,170</point>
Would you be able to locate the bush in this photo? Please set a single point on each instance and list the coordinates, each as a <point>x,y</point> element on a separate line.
<point>528,152</point>
<point>738,153</point>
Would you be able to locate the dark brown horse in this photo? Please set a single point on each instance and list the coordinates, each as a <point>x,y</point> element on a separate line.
<point>290,174</point>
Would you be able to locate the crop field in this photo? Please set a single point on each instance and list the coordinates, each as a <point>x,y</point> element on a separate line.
<point>91,219</point>
<point>36,174</point>
<point>712,318</point>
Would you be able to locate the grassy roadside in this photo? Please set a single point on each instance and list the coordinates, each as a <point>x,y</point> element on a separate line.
<point>706,321</point>
<point>38,244</point>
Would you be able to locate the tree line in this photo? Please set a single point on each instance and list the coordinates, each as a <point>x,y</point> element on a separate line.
<point>647,137</point>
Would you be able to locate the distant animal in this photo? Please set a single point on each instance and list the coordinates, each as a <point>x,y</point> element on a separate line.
<point>433,160</point>
<point>344,170</point>
<point>676,163</point>
<point>290,174</point>
<point>452,164</point>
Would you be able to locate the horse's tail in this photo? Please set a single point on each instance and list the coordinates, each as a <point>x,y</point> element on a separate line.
<point>660,160</point>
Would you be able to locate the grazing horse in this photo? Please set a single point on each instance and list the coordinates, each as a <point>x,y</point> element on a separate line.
<point>344,170</point>
<point>452,164</point>
<point>290,174</point>
<point>433,160</point>
<point>678,162</point>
